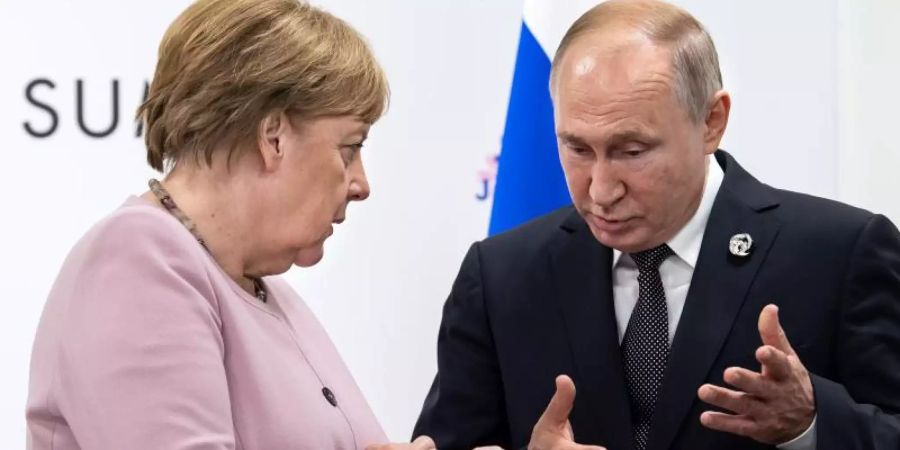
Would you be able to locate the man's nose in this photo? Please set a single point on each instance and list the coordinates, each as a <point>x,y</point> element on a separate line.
<point>606,187</point>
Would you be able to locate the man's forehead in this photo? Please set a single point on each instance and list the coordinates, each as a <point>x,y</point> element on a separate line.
<point>603,96</point>
<point>614,60</point>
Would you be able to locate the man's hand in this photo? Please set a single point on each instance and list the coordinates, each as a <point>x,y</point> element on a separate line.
<point>553,431</point>
<point>772,407</point>
<point>421,443</point>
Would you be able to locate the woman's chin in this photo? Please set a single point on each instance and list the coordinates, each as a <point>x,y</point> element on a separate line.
<point>309,256</point>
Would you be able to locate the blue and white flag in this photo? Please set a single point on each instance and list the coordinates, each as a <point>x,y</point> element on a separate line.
<point>530,181</point>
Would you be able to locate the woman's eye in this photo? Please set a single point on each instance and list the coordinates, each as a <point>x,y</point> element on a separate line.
<point>349,152</point>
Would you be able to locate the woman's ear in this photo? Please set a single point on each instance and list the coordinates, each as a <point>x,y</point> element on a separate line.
<point>270,137</point>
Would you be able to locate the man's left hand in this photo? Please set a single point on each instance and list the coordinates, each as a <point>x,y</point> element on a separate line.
<point>773,406</point>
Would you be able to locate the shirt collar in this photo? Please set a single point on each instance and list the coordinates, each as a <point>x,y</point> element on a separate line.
<point>686,243</point>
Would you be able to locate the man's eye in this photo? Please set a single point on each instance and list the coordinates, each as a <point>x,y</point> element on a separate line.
<point>632,151</point>
<point>579,150</point>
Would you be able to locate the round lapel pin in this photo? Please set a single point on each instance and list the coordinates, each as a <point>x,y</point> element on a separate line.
<point>740,245</point>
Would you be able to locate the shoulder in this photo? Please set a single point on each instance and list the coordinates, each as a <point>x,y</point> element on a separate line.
<point>819,236</point>
<point>809,214</point>
<point>139,233</point>
<point>820,217</point>
<point>854,232</point>
<point>531,235</point>
<point>138,249</point>
<point>525,244</point>
<point>142,225</point>
<point>132,274</point>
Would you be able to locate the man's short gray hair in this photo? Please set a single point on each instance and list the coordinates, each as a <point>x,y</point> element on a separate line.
<point>695,61</point>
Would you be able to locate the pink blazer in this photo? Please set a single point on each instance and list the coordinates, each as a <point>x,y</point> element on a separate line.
<point>146,344</point>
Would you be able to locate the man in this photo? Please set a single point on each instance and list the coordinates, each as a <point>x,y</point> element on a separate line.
<point>656,293</point>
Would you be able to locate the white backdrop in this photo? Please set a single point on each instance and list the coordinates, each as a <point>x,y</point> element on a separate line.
<point>380,289</point>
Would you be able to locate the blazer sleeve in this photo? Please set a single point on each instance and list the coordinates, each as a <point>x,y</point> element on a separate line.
<point>861,409</point>
<point>465,407</point>
<point>141,354</point>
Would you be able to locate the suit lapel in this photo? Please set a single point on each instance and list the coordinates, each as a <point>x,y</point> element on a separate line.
<point>582,272</point>
<point>718,289</point>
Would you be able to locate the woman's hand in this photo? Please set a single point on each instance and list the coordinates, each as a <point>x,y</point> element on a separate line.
<point>421,443</point>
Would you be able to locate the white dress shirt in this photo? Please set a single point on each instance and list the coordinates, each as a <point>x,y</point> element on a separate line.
<point>676,273</point>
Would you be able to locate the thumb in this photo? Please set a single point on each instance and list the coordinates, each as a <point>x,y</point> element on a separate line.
<point>557,412</point>
<point>771,332</point>
<point>423,443</point>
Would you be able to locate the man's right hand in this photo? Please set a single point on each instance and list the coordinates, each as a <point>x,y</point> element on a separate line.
<point>553,430</point>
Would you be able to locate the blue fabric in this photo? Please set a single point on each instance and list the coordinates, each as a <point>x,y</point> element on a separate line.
<point>530,181</point>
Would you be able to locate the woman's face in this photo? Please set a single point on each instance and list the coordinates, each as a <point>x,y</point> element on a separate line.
<point>317,172</point>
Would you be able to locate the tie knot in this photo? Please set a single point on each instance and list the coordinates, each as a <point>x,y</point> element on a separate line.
<point>651,259</point>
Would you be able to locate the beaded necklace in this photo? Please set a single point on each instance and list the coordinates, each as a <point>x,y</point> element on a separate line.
<point>166,200</point>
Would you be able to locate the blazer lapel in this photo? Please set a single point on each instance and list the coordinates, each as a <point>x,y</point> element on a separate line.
<point>718,289</point>
<point>582,273</point>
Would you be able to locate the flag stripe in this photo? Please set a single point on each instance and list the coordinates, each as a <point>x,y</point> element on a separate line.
<point>530,181</point>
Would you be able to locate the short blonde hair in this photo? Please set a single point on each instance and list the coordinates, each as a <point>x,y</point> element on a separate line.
<point>695,61</point>
<point>224,65</point>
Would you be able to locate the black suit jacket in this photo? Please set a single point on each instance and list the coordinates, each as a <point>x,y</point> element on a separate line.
<point>537,302</point>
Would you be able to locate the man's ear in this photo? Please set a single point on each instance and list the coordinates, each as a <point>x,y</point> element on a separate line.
<point>716,121</point>
<point>269,138</point>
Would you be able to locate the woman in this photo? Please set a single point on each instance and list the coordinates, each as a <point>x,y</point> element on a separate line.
<point>166,327</point>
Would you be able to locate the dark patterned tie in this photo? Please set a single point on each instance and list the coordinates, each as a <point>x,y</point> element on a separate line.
<point>645,347</point>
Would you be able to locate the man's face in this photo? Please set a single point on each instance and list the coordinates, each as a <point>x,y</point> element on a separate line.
<point>634,161</point>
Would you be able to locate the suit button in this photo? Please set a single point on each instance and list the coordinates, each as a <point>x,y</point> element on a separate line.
<point>329,396</point>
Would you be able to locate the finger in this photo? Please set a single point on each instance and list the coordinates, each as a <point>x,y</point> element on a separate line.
<point>750,382</point>
<point>557,412</point>
<point>574,446</point>
<point>739,402</point>
<point>771,332</point>
<point>775,363</point>
<point>423,443</point>
<point>728,423</point>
